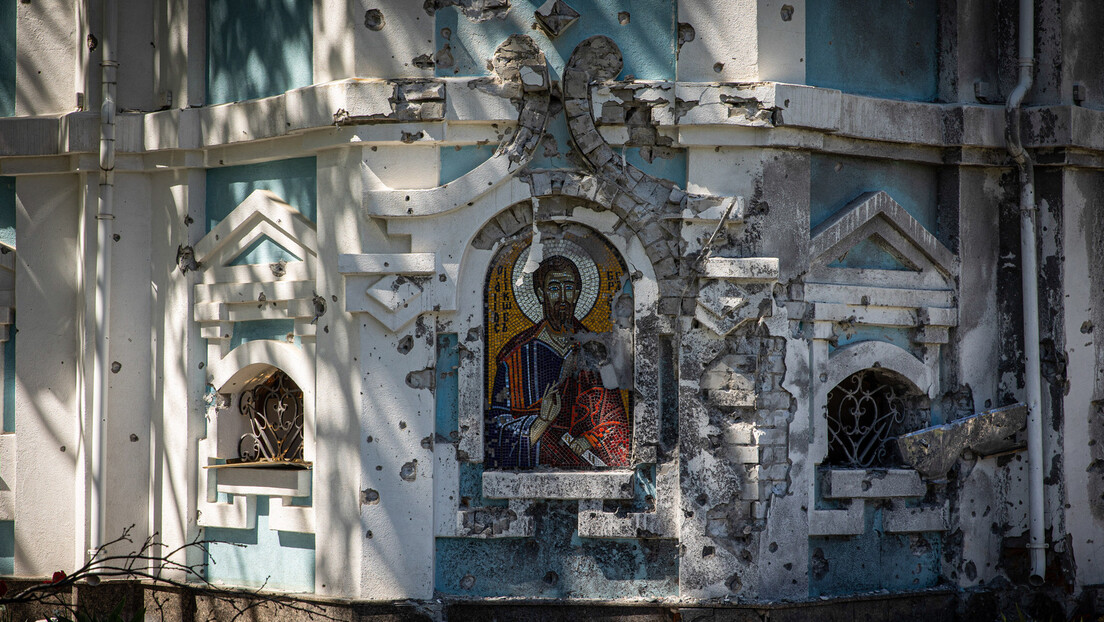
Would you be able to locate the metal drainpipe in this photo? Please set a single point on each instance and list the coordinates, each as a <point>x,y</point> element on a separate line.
<point>1030,274</point>
<point>104,221</point>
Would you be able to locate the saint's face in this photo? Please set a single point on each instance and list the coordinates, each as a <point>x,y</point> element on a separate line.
<point>559,292</point>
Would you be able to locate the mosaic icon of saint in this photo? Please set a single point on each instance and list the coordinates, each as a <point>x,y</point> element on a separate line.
<point>548,404</point>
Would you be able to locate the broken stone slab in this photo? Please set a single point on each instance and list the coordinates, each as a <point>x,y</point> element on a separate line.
<point>934,450</point>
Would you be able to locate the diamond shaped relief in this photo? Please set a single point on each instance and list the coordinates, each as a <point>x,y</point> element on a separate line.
<point>555,16</point>
<point>394,292</point>
<point>723,306</point>
<point>399,298</point>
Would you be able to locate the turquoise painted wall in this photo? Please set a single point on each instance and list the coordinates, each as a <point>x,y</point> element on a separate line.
<point>278,560</point>
<point>257,48</point>
<point>883,48</point>
<point>7,548</point>
<point>264,250</point>
<point>835,181</point>
<point>874,560</point>
<point>872,254</point>
<point>647,42</point>
<point>9,381</point>
<point>7,58</point>
<point>294,181</point>
<point>7,237</point>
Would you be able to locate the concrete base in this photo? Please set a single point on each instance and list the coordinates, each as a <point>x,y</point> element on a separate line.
<point>175,604</point>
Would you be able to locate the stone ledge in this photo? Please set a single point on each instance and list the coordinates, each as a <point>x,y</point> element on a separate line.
<point>563,485</point>
<point>874,484</point>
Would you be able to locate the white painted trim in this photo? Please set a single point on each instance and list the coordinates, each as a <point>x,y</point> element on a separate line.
<point>877,354</point>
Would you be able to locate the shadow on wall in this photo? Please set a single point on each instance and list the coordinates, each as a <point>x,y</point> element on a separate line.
<point>7,59</point>
<point>257,48</point>
<point>883,49</point>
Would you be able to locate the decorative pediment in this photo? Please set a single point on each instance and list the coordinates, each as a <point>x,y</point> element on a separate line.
<point>256,275</point>
<point>262,239</point>
<point>874,241</point>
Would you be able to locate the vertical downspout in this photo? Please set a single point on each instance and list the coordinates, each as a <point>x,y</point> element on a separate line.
<point>1030,274</point>
<point>104,230</point>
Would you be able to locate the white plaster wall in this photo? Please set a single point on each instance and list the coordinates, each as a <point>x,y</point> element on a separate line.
<point>1080,200</point>
<point>781,40</point>
<point>398,556</point>
<point>128,409</point>
<point>345,48</point>
<point>179,54</point>
<point>46,396</point>
<point>978,312</point>
<point>338,459</point>
<point>176,383</point>
<point>136,55</point>
<point>45,67</point>
<point>725,33</point>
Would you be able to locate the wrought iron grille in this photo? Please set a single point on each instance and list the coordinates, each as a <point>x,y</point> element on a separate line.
<point>865,413</point>
<point>274,409</point>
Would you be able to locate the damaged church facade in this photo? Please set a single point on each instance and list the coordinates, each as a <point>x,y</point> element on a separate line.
<point>668,301</point>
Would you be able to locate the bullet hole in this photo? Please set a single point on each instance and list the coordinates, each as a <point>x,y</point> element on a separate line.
<point>787,12</point>
<point>279,268</point>
<point>409,471</point>
<point>623,18</point>
<point>423,61</point>
<point>134,438</point>
<point>333,298</point>
<point>971,570</point>
<point>116,366</point>
<point>718,67</point>
<point>819,565</point>
<point>427,443</point>
<point>402,425</point>
<point>116,237</point>
<point>1086,327</point>
<point>685,34</point>
<point>185,259</point>
<point>708,551</point>
<point>188,220</point>
<point>369,496</point>
<point>63,449</point>
<point>467,582</point>
<point>446,33</point>
<point>442,278</point>
<point>733,583</point>
<point>202,365</point>
<point>406,344</point>
<point>93,42</point>
<point>373,20</point>
<point>379,467</point>
<point>551,578</point>
<point>702,499</point>
<point>369,439</point>
<point>422,379</point>
<point>788,566</point>
<point>368,535</point>
<point>866,484</point>
<point>773,547</point>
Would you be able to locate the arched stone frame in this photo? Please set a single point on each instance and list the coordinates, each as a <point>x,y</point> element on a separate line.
<point>852,359</point>
<point>828,371</point>
<point>229,375</point>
